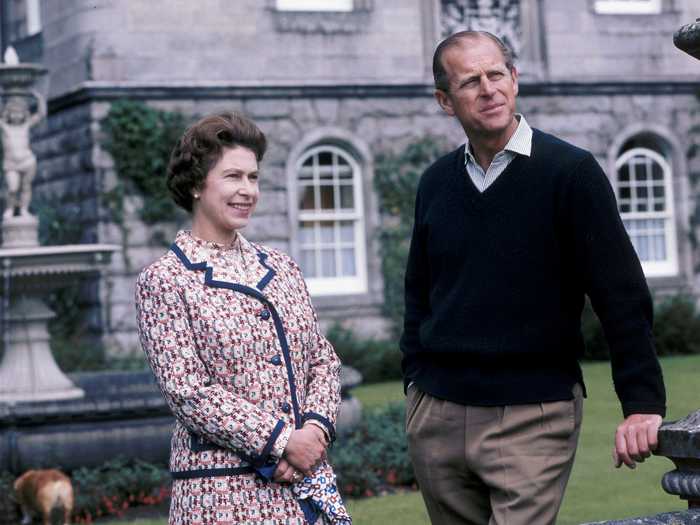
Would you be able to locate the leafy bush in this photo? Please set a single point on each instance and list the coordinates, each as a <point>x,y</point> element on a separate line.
<point>9,510</point>
<point>676,329</point>
<point>375,360</point>
<point>116,486</point>
<point>140,140</point>
<point>373,458</point>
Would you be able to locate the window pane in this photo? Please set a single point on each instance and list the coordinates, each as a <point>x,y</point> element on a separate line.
<point>325,158</point>
<point>624,173</point>
<point>327,232</point>
<point>657,173</point>
<point>641,206</point>
<point>308,263</point>
<point>327,198</point>
<point>642,192</point>
<point>306,172</point>
<point>659,191</point>
<point>306,198</point>
<point>624,193</point>
<point>624,208</point>
<point>347,231</point>
<point>306,232</point>
<point>348,256</point>
<point>640,172</point>
<point>347,197</point>
<point>328,263</point>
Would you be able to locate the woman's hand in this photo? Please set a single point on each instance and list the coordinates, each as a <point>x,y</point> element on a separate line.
<point>285,473</point>
<point>306,448</point>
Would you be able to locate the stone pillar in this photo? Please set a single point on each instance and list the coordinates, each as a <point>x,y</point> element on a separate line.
<point>680,442</point>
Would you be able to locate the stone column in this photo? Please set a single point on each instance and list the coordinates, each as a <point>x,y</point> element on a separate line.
<point>680,442</point>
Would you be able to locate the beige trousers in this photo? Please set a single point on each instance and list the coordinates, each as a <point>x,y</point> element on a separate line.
<point>506,465</point>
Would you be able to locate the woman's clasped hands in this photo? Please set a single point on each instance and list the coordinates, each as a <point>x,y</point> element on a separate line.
<point>305,450</point>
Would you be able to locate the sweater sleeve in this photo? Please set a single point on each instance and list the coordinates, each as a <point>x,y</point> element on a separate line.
<point>614,281</point>
<point>416,293</point>
<point>201,404</point>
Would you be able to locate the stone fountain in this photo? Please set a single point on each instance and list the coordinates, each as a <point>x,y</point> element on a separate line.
<point>28,371</point>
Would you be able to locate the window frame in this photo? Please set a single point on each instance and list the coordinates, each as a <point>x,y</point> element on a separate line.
<point>669,266</point>
<point>338,285</point>
<point>627,7</point>
<point>315,6</point>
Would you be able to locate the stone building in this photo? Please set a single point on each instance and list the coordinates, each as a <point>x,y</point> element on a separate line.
<point>334,83</point>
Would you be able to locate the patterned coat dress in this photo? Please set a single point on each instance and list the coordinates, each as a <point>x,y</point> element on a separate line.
<point>233,340</point>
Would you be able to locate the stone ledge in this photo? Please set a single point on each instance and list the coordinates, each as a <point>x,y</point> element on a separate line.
<point>690,517</point>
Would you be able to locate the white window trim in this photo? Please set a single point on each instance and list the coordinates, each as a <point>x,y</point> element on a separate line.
<point>314,5</point>
<point>668,267</point>
<point>329,286</point>
<point>629,7</point>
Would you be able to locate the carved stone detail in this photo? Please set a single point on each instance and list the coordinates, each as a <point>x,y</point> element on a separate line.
<point>500,17</point>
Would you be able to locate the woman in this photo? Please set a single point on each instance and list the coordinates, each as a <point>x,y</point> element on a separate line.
<point>232,338</point>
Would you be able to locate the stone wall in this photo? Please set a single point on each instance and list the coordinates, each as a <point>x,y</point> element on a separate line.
<point>245,42</point>
<point>584,45</point>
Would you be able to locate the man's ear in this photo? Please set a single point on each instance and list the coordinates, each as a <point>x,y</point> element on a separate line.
<point>443,98</point>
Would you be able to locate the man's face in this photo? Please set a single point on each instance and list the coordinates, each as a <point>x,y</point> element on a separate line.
<point>482,90</point>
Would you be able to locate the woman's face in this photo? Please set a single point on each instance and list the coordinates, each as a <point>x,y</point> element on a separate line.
<point>228,197</point>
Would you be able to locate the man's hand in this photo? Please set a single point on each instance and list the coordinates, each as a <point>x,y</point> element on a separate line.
<point>635,439</point>
<point>305,449</point>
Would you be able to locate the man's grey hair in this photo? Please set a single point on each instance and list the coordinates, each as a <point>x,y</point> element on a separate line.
<point>439,73</point>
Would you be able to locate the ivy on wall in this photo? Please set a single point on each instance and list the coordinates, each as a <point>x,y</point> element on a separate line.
<point>396,181</point>
<point>139,139</point>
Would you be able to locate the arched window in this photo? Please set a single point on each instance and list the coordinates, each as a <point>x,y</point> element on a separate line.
<point>331,234</point>
<point>645,198</point>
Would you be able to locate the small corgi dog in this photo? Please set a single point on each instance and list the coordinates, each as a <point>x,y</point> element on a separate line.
<point>40,491</point>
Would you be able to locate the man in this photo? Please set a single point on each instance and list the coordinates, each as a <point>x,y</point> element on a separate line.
<point>511,231</point>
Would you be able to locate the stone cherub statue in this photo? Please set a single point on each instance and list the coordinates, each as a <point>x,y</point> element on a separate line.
<point>19,162</point>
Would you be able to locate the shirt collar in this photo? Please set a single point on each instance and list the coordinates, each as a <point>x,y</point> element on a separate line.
<point>520,141</point>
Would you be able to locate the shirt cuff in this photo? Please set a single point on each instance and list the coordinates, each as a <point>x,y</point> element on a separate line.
<point>281,442</point>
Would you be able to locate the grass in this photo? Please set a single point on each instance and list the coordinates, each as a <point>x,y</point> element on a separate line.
<point>596,491</point>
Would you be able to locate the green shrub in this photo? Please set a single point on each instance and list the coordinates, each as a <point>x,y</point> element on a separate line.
<point>376,360</point>
<point>116,486</point>
<point>9,510</point>
<point>677,327</point>
<point>373,458</point>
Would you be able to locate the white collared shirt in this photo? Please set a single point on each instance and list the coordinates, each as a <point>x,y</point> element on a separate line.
<point>520,143</point>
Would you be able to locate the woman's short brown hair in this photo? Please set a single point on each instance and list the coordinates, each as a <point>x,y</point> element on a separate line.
<point>200,148</point>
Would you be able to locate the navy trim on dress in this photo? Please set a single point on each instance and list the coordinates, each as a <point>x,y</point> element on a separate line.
<point>270,271</point>
<point>323,420</point>
<point>265,454</point>
<point>211,472</point>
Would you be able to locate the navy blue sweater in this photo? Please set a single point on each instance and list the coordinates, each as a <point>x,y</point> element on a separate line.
<point>496,282</point>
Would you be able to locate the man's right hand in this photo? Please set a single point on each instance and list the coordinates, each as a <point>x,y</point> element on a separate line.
<point>305,450</point>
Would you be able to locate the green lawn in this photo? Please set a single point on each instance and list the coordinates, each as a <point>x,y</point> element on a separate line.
<point>597,491</point>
